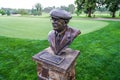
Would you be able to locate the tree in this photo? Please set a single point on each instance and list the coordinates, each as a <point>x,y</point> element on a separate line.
<point>8,12</point>
<point>64,8</point>
<point>48,9</point>
<point>100,6</point>
<point>119,13</point>
<point>2,12</point>
<point>86,5</point>
<point>78,12</point>
<point>33,11</point>
<point>113,6</point>
<point>38,9</point>
<point>23,11</point>
<point>79,7</point>
<point>14,11</point>
<point>71,8</point>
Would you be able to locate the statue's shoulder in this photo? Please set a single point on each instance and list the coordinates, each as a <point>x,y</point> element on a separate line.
<point>74,31</point>
<point>51,33</point>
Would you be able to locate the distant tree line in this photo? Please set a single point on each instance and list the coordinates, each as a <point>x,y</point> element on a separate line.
<point>90,6</point>
<point>36,10</point>
<point>9,11</point>
<point>86,6</point>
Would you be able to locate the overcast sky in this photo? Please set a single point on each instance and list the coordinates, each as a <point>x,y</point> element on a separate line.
<point>27,4</point>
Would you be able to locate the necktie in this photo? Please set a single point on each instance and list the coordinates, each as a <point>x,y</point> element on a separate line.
<point>58,40</point>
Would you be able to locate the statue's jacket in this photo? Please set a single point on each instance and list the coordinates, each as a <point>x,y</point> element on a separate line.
<point>68,37</point>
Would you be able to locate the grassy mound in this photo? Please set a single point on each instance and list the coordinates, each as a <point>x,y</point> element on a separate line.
<point>99,59</point>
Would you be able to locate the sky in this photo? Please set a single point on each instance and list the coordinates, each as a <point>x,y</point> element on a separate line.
<point>27,4</point>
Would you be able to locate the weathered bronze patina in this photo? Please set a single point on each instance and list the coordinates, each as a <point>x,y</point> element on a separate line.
<point>62,35</point>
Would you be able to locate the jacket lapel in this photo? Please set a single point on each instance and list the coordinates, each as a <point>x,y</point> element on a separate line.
<point>66,39</point>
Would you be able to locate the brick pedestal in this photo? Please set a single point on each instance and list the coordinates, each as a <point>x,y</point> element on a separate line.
<point>47,70</point>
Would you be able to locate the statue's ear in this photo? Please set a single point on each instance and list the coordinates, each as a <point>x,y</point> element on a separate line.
<point>66,21</point>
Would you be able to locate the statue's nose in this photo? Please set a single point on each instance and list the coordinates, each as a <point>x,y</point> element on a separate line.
<point>54,24</point>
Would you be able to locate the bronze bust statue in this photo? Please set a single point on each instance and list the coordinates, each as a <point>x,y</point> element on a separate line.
<point>57,62</point>
<point>62,35</point>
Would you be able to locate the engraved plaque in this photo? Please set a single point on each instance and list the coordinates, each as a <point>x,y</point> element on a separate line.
<point>52,58</point>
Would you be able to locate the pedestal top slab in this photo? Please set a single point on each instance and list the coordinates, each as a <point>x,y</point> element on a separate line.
<point>69,57</point>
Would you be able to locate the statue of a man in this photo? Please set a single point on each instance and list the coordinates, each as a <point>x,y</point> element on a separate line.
<point>62,35</point>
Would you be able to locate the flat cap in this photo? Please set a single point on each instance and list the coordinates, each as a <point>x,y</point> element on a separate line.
<point>58,13</point>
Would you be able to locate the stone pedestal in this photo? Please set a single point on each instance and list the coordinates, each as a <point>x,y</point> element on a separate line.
<point>65,70</point>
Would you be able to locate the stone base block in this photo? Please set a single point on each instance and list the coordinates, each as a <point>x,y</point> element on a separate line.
<point>47,70</point>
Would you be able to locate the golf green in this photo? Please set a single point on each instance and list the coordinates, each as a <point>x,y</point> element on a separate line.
<point>38,28</point>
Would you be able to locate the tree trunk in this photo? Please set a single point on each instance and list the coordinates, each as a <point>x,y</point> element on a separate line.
<point>89,12</point>
<point>113,14</point>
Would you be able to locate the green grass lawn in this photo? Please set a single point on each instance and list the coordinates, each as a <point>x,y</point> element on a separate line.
<point>99,59</point>
<point>38,27</point>
<point>100,54</point>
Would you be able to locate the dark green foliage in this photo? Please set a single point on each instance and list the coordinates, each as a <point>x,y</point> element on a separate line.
<point>2,12</point>
<point>113,6</point>
<point>88,6</point>
<point>99,59</point>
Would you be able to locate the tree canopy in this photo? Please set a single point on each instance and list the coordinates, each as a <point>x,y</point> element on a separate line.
<point>113,6</point>
<point>37,9</point>
<point>89,6</point>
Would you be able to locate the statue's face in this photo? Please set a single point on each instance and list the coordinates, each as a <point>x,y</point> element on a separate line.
<point>58,24</point>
